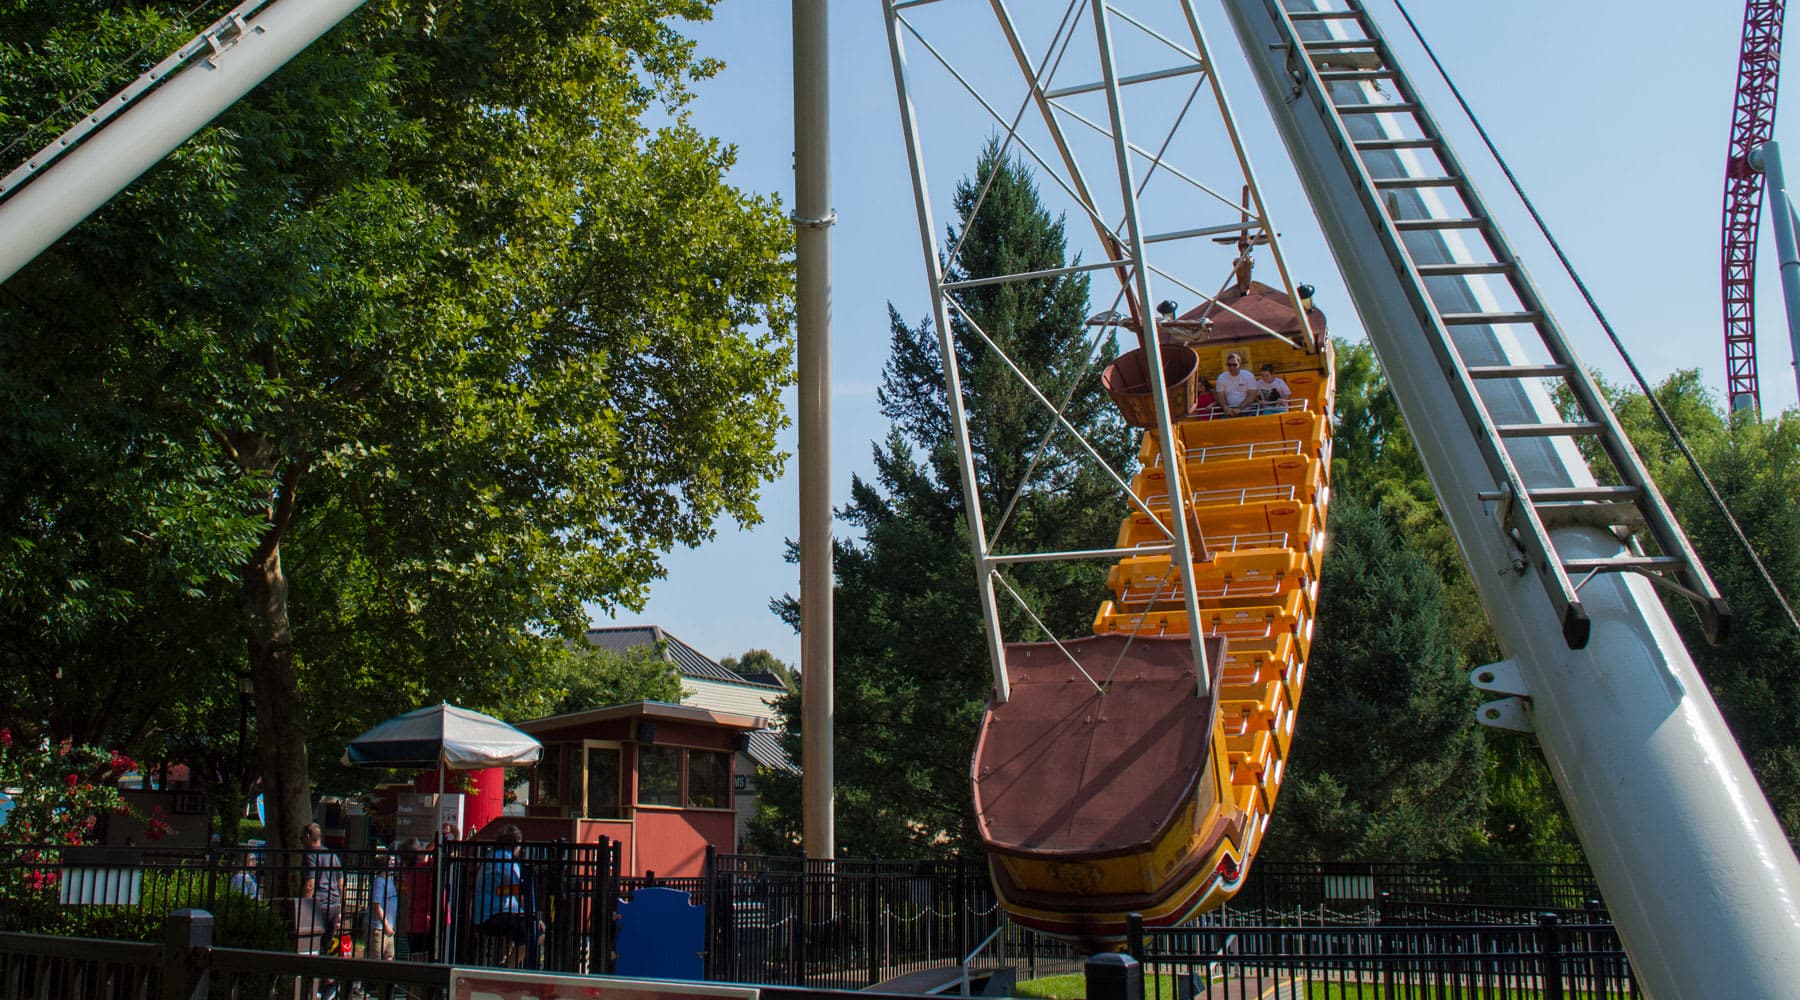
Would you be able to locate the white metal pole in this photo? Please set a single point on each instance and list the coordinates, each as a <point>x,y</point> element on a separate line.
<point>1767,158</point>
<point>138,137</point>
<point>1173,459</point>
<point>813,218</point>
<point>940,313</point>
<point>1697,874</point>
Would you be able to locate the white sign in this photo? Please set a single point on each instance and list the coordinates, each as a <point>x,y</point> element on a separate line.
<point>503,984</point>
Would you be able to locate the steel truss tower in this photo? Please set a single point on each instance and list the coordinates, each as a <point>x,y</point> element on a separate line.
<point>1116,109</point>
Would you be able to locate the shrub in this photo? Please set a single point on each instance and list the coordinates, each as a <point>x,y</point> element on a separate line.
<point>239,921</point>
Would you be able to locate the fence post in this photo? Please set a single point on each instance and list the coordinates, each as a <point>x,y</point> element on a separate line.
<point>869,905</point>
<point>1134,935</point>
<point>607,893</point>
<point>709,902</point>
<point>440,901</point>
<point>962,909</point>
<point>183,932</point>
<point>1112,976</point>
<point>797,939</point>
<point>1390,972</point>
<point>212,878</point>
<point>1550,956</point>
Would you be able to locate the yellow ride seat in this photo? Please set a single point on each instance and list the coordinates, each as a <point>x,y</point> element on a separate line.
<point>1289,477</point>
<point>1244,624</point>
<point>1151,579</point>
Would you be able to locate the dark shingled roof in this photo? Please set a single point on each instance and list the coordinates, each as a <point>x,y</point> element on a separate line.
<point>689,662</point>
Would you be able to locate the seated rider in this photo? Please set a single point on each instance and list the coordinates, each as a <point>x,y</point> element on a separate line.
<point>1236,388</point>
<point>1272,392</point>
<point>1203,398</point>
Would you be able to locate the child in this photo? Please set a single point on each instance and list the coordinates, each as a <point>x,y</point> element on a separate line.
<point>1203,399</point>
<point>1273,392</point>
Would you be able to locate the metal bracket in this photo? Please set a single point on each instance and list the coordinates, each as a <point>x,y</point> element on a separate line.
<point>1503,500</point>
<point>1506,713</point>
<point>1503,677</point>
<point>829,219</point>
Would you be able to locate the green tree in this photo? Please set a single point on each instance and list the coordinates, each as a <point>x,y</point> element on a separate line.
<point>1755,465</point>
<point>761,661</point>
<point>912,674</point>
<point>1387,762</point>
<point>385,373</point>
<point>1375,460</point>
<point>596,678</point>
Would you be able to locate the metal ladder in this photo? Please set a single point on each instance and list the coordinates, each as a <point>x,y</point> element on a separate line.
<point>1434,221</point>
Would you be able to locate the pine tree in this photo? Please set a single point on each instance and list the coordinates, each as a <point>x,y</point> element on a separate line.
<point>1387,762</point>
<point>912,672</point>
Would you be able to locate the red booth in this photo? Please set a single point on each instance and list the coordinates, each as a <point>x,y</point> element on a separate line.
<point>654,777</point>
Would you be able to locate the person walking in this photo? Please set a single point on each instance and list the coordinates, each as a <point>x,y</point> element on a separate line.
<point>499,898</point>
<point>418,897</point>
<point>384,910</point>
<point>322,882</point>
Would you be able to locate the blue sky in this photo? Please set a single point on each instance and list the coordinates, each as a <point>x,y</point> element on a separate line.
<point>1614,117</point>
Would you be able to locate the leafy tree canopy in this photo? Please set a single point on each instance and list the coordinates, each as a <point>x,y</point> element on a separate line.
<point>386,373</point>
<point>1755,465</point>
<point>1387,762</point>
<point>761,661</point>
<point>912,674</point>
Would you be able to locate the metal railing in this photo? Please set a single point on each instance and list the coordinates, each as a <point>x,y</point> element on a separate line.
<point>1545,957</point>
<point>1417,891</point>
<point>779,921</point>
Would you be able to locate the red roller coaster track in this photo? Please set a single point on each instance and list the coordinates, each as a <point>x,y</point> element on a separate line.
<point>1752,123</point>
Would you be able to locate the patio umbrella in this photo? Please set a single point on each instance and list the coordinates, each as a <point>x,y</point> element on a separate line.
<point>445,737</point>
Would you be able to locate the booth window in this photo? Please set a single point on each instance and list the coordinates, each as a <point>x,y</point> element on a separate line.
<point>659,776</point>
<point>709,779</point>
<point>684,778</point>
<point>601,775</point>
<point>546,782</point>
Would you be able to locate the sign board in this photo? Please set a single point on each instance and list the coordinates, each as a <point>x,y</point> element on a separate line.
<point>101,876</point>
<point>507,984</point>
<point>420,815</point>
<point>1349,887</point>
<point>662,934</point>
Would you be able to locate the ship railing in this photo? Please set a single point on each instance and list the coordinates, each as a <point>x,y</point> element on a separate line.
<point>1241,451</point>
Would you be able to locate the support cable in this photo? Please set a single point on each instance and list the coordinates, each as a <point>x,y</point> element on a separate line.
<point>1662,415</point>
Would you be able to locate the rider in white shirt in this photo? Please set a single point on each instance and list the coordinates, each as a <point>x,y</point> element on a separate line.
<point>1236,388</point>
<point>1271,391</point>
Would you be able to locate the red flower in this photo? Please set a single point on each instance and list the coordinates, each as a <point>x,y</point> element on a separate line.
<point>40,880</point>
<point>5,737</point>
<point>122,763</point>
<point>71,780</point>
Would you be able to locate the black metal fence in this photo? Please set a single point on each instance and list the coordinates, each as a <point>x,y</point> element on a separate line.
<point>383,908</point>
<point>1547,958</point>
<point>774,921</point>
<point>1281,892</point>
<point>856,924</point>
